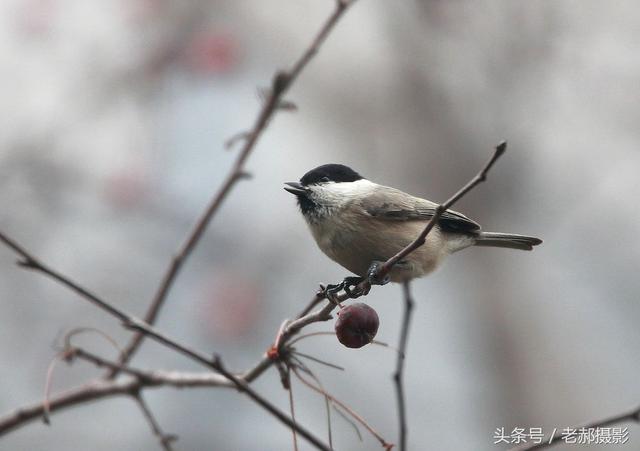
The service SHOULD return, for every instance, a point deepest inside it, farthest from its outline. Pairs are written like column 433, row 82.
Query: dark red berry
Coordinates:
column 357, row 325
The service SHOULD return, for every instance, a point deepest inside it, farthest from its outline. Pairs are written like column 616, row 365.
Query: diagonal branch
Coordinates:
column 363, row 287
column 98, row 389
column 141, row 326
column 30, row 262
column 165, row 440
column 281, row 83
column 440, row 209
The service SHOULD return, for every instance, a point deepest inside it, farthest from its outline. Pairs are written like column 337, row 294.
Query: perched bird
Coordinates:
column 359, row 224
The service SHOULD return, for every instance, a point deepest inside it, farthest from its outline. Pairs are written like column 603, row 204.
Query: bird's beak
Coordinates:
column 295, row 188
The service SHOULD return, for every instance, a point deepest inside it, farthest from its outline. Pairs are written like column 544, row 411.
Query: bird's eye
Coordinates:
column 325, row 179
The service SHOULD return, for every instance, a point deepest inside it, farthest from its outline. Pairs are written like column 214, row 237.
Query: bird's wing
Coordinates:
column 391, row 204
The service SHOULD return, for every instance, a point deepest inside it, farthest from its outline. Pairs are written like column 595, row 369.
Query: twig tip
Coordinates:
column 501, row 147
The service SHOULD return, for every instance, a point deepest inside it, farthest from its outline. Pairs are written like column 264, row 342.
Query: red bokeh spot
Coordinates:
column 212, row 53
column 231, row 307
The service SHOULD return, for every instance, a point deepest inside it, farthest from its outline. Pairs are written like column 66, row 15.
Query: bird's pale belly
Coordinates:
column 356, row 250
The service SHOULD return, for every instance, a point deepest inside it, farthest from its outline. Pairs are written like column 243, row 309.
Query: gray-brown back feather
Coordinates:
column 391, row 204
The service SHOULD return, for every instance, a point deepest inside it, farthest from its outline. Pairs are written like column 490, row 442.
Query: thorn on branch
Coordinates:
column 243, row 175
column 280, row 82
column 130, row 325
column 27, row 262
column 235, row 139
column 287, row 105
column 217, row 361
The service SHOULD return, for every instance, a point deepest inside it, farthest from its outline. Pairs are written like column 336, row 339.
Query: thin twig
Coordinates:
column 100, row 362
column 333, row 334
column 364, row 286
column 317, row 360
column 399, row 373
column 327, row 402
column 83, row 330
column 128, row 320
column 137, row 324
column 165, row 440
column 100, row 388
column 348, row 420
column 319, row 297
column 354, row 415
column 68, row 353
column 292, row 410
column 244, row 387
column 440, row 209
column 30, row 262
column 46, row 417
column 83, row 394
column 281, row 83
column 91, row 391
column 548, row 442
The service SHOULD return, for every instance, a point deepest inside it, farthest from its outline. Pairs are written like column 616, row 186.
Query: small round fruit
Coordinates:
column 357, row 325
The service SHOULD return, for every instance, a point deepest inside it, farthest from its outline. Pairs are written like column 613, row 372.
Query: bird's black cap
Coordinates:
column 330, row 173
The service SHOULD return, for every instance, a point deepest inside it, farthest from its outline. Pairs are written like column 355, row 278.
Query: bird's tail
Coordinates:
column 509, row 240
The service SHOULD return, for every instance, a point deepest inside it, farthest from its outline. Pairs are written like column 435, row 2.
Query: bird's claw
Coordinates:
column 354, row 282
column 331, row 292
column 350, row 285
column 356, row 286
column 372, row 274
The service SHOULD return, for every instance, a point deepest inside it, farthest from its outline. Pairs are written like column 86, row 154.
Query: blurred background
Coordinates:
column 111, row 143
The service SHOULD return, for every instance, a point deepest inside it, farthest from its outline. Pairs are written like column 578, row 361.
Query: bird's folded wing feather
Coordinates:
column 391, row 204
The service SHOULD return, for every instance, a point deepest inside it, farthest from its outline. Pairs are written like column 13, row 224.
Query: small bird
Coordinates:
column 359, row 224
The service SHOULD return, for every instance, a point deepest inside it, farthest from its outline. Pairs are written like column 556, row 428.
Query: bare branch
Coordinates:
column 135, row 323
column 91, row 391
column 292, row 328
column 141, row 379
column 354, row 415
column 100, row 388
column 281, row 83
column 548, row 442
column 364, row 286
column 244, row 387
column 399, row 373
column 165, row 440
column 420, row 240
column 128, row 320
column 30, row 262
column 317, row 360
column 292, row 410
